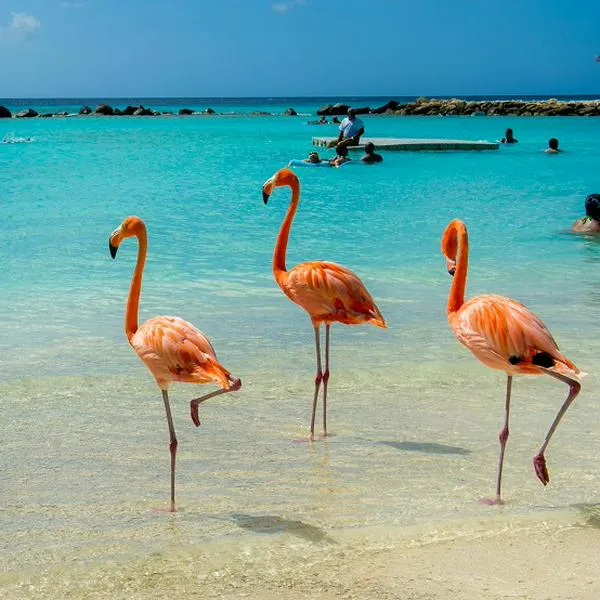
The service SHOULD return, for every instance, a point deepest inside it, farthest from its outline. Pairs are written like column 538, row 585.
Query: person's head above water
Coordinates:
column 313, row 157
column 553, row 144
column 509, row 133
column 369, row 148
column 592, row 206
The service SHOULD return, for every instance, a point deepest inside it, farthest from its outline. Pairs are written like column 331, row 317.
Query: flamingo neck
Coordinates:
column 456, row 297
column 284, row 233
column 133, row 302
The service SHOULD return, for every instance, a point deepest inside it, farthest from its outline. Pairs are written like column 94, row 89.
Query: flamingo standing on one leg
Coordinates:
column 329, row 293
column 504, row 335
column 173, row 349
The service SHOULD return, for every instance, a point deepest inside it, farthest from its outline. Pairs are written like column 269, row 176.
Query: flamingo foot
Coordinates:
column 539, row 464
column 497, row 501
column 194, row 414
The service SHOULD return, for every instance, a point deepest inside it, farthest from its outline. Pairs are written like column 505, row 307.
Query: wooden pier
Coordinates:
column 412, row 145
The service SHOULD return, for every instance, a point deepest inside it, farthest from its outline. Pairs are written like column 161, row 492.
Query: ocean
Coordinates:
column 413, row 417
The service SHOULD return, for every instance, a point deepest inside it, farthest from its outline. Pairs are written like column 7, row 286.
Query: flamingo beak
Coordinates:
column 114, row 237
column 268, row 188
column 451, row 266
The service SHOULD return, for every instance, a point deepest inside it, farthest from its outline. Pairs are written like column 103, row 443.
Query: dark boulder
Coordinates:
column 290, row 112
column 209, row 111
column 27, row 114
column 333, row 109
column 391, row 105
column 186, row 111
column 128, row 110
column 142, row 111
column 104, row 109
column 85, row 110
column 5, row 113
column 362, row 110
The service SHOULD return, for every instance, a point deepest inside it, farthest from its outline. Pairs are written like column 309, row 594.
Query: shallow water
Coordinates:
column 414, row 418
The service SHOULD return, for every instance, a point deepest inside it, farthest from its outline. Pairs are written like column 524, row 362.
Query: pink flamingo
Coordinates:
column 171, row 348
column 329, row 293
column 504, row 335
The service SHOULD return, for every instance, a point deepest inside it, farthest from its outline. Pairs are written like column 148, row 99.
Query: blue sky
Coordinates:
column 112, row 48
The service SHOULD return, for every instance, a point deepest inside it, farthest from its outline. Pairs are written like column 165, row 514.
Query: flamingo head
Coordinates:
column 283, row 177
column 130, row 227
column 450, row 244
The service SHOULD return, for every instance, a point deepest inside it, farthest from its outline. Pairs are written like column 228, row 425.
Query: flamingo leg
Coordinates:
column 235, row 385
column 172, row 446
column 326, row 378
column 539, row 461
column 503, row 437
column 318, row 379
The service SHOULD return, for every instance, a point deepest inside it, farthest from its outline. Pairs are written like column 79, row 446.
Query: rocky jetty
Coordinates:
column 516, row 108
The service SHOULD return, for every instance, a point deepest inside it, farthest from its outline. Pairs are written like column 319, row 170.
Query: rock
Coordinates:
column 363, row 110
column 333, row 109
column 128, row 110
column 141, row 111
column 104, row 109
column 290, row 112
column 27, row 114
column 85, row 110
column 186, row 111
column 209, row 111
column 391, row 105
column 5, row 113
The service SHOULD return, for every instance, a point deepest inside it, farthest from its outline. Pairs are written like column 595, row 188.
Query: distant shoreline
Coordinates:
column 304, row 107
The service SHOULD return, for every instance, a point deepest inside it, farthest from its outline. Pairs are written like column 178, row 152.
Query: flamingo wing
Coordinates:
column 175, row 350
column 331, row 293
column 504, row 334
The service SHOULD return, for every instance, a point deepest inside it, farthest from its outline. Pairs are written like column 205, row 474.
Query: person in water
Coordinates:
column 371, row 156
column 508, row 137
column 552, row 146
column 314, row 158
column 341, row 158
column 590, row 224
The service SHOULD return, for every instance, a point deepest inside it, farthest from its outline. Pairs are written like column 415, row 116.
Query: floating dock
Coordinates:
column 412, row 145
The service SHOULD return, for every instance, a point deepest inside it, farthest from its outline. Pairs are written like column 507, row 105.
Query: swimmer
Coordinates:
column 371, row 156
column 508, row 137
column 313, row 157
column 552, row 146
column 590, row 224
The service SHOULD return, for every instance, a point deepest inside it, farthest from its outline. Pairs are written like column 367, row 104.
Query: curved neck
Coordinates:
column 284, row 232
column 133, row 302
column 456, row 298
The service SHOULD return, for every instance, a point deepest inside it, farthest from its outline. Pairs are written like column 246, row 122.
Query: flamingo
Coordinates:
column 328, row 292
column 171, row 348
column 504, row 335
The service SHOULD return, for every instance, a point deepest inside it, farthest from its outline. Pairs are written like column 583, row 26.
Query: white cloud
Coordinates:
column 24, row 24
column 282, row 7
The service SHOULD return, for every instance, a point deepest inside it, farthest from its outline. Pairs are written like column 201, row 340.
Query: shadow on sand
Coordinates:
column 591, row 514
column 426, row 447
column 275, row 524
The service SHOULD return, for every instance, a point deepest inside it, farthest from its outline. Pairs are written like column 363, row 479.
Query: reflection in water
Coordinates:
column 427, row 447
column 275, row 524
column 591, row 513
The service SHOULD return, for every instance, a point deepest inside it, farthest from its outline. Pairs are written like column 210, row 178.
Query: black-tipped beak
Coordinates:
column 451, row 271
column 265, row 196
column 113, row 249
column 451, row 266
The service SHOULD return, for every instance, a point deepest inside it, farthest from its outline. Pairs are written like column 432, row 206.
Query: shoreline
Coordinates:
column 420, row 107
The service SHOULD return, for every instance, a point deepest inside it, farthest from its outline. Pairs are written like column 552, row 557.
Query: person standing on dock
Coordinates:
column 351, row 128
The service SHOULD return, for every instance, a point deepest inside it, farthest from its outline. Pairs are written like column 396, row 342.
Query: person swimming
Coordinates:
column 313, row 157
column 590, row 224
column 508, row 137
column 552, row 146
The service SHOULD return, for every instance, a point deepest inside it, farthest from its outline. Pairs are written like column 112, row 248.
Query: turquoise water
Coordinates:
column 414, row 418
